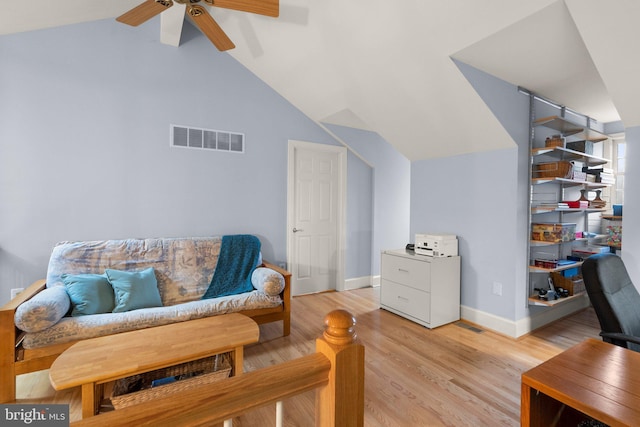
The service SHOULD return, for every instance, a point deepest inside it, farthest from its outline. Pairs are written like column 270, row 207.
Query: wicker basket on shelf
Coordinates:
column 555, row 141
column 561, row 169
column 138, row 388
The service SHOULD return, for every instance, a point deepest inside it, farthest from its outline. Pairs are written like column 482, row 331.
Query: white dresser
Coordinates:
column 420, row 288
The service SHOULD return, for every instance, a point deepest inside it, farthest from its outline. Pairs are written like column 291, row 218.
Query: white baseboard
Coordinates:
column 357, row 283
column 525, row 325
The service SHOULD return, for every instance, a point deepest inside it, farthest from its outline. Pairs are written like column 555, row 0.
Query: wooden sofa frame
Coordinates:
column 16, row 360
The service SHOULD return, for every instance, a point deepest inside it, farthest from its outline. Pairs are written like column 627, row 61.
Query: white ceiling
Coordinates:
column 386, row 65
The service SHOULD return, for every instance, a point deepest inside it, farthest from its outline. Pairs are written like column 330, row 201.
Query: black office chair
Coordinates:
column 615, row 299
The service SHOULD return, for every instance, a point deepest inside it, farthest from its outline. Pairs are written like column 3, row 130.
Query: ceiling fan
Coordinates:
column 150, row 8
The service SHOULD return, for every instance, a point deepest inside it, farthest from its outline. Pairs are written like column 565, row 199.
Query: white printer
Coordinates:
column 437, row 245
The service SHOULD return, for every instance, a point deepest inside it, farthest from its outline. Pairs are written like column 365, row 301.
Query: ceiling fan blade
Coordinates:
column 210, row 28
column 261, row 7
column 143, row 12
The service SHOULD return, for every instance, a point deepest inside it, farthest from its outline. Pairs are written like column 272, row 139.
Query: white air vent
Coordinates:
column 206, row 139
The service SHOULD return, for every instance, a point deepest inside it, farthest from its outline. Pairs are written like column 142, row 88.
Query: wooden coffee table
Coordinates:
column 593, row 378
column 93, row 362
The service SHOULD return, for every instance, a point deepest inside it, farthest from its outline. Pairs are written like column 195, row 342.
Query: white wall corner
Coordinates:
column 375, row 281
column 531, row 323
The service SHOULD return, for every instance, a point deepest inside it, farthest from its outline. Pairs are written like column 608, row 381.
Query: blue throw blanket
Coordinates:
column 238, row 257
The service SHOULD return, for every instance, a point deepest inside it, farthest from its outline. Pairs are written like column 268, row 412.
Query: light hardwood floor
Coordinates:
column 455, row 375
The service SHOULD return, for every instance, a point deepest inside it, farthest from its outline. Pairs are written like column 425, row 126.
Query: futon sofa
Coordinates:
column 97, row 288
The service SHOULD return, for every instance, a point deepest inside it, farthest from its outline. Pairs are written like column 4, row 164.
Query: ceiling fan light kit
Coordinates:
column 199, row 15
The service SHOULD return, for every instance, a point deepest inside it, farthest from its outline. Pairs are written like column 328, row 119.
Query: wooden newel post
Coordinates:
column 341, row 402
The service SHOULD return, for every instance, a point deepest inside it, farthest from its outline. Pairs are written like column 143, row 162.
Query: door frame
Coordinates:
column 341, row 202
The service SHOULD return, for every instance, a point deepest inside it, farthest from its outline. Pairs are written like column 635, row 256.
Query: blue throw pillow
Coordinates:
column 89, row 293
column 134, row 289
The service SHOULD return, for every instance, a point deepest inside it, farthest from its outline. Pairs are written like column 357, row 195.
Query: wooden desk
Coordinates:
column 593, row 378
column 92, row 363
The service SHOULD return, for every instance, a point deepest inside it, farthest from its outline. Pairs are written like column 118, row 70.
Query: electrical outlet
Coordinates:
column 16, row 291
column 497, row 288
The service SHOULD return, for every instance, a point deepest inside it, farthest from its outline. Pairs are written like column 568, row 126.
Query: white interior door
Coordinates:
column 315, row 222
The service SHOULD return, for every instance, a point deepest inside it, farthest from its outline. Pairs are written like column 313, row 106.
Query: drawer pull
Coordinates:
column 403, row 270
column 403, row 299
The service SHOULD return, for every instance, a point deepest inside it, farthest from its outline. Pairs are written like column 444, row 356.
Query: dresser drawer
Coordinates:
column 415, row 274
column 407, row 300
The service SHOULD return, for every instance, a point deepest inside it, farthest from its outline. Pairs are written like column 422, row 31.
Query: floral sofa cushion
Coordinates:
column 183, row 266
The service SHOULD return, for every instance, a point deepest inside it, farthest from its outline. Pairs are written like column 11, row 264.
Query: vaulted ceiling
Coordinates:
column 387, row 66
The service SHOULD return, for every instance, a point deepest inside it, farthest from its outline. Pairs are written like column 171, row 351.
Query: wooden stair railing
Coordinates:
column 336, row 371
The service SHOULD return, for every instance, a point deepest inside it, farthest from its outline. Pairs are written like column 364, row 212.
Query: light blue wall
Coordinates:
column 474, row 200
column 84, row 144
column 482, row 197
column 359, row 218
column 391, row 189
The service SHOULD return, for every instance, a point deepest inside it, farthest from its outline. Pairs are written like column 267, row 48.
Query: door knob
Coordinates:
column 295, row 230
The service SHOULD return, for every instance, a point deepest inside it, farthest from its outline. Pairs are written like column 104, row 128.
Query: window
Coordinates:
column 619, row 166
column 615, row 149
